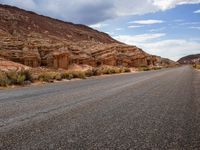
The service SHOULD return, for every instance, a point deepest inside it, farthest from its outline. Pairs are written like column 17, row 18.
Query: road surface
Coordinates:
column 148, row 110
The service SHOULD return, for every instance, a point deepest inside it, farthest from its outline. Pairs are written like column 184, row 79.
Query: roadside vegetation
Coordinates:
column 25, row 77
column 15, row 78
column 196, row 66
column 145, row 68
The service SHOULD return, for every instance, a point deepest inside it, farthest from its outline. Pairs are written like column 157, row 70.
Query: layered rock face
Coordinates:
column 190, row 59
column 35, row 40
column 7, row 66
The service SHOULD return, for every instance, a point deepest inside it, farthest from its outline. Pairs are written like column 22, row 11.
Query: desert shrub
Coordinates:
column 109, row 70
column 78, row 74
column 73, row 74
column 143, row 66
column 144, row 69
column 21, row 78
column 27, row 74
column 50, row 76
column 106, row 70
column 196, row 66
column 67, row 75
column 89, row 73
column 16, row 78
column 58, row 77
column 47, row 76
column 97, row 71
column 4, row 81
column 125, row 70
column 156, row 68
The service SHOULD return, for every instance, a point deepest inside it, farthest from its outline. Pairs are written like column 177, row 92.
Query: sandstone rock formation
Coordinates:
column 6, row 65
column 190, row 59
column 35, row 40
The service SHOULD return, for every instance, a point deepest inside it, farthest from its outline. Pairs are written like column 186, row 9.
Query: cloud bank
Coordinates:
column 145, row 22
column 152, row 43
column 95, row 11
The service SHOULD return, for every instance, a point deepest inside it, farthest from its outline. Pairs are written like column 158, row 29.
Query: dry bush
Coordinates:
column 15, row 78
column 196, row 66
column 47, row 76
column 4, row 81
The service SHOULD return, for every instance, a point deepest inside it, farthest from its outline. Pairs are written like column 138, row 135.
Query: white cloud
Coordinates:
column 171, row 48
column 111, row 33
column 197, row 11
column 158, row 29
column 189, row 23
column 95, row 11
column 178, row 20
column 134, row 26
column 98, row 25
column 131, row 40
column 167, row 4
column 119, row 29
column 198, row 28
column 146, row 22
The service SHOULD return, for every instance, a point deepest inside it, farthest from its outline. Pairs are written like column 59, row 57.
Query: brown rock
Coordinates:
column 6, row 65
column 190, row 59
column 58, row 60
column 35, row 40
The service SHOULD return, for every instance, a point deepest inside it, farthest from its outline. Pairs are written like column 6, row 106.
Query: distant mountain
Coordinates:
column 35, row 40
column 190, row 59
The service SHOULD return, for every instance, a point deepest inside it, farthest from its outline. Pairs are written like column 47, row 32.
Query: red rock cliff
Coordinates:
column 36, row 40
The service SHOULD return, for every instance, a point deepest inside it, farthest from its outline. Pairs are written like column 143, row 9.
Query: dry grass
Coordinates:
column 106, row 70
column 196, row 66
column 144, row 68
column 15, row 78
column 47, row 75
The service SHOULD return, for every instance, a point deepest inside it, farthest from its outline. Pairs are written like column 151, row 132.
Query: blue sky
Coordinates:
column 168, row 28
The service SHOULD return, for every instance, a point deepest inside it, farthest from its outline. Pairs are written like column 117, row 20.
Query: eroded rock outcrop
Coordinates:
column 7, row 66
column 35, row 40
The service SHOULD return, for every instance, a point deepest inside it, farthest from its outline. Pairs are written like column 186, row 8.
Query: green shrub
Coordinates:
column 73, row 74
column 144, row 69
column 196, row 66
column 78, row 74
column 106, row 70
column 125, row 70
column 156, row 68
column 89, row 73
column 58, row 77
column 21, row 78
column 16, row 78
column 97, row 71
column 67, row 75
column 4, row 81
column 27, row 74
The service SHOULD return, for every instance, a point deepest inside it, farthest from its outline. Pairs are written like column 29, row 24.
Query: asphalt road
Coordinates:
column 148, row 110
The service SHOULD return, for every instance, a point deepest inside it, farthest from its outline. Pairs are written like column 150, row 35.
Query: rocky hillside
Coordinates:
column 190, row 59
column 168, row 62
column 35, row 40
